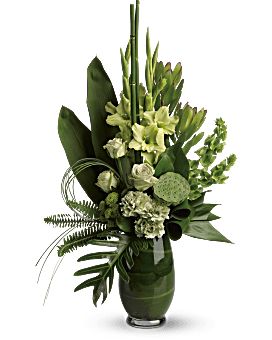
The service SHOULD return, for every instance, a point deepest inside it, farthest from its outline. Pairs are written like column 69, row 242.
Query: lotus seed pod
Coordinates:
column 172, row 188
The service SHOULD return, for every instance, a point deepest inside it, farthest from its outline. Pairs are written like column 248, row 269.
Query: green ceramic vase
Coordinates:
column 149, row 293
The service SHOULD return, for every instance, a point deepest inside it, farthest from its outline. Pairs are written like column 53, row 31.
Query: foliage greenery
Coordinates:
column 150, row 127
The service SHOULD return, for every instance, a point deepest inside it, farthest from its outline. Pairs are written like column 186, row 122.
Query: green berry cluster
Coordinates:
column 109, row 209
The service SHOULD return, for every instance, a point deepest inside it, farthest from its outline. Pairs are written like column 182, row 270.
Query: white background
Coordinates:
column 222, row 291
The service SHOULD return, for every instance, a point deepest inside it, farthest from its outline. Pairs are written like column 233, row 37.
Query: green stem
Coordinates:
column 121, row 172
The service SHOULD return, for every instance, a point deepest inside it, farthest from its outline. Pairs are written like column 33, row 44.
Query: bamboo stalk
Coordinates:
column 134, row 77
column 137, row 59
column 138, row 157
column 133, row 67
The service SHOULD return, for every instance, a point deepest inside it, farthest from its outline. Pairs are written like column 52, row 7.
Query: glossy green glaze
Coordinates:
column 150, row 290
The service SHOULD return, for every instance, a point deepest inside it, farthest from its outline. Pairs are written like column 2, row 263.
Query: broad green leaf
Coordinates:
column 174, row 231
column 164, row 165
column 203, row 209
column 98, row 255
column 99, row 92
column 212, row 217
column 125, row 224
column 91, row 270
column 173, row 160
column 88, row 283
column 176, row 228
column 181, row 164
column 199, row 200
column 182, row 211
column 76, row 140
column 121, row 270
column 204, row 230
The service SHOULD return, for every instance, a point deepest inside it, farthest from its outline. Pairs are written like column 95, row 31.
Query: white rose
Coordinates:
column 116, row 148
column 107, row 181
column 142, row 176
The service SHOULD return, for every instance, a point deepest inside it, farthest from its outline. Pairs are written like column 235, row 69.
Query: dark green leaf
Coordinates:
column 76, row 140
column 88, row 283
column 212, row 217
column 176, row 228
column 125, row 224
column 203, row 209
column 100, row 92
column 181, row 164
column 91, row 270
column 199, row 200
column 164, row 165
column 98, row 255
column 204, row 230
column 174, row 231
column 121, row 270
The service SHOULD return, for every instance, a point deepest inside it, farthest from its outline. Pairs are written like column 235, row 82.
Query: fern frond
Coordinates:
column 80, row 238
column 122, row 258
column 68, row 221
column 87, row 209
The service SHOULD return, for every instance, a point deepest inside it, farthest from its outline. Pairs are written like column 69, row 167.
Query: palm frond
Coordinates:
column 80, row 238
column 68, row 221
column 87, row 208
column 121, row 258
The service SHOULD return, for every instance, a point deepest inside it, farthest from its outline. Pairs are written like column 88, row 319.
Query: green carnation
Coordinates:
column 150, row 213
column 135, row 203
column 149, row 229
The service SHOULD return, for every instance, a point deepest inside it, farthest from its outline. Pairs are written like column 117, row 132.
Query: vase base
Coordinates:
column 142, row 323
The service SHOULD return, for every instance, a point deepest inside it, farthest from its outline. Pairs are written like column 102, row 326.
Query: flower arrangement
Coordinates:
column 135, row 166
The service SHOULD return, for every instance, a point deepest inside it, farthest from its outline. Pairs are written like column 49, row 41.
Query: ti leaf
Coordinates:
column 204, row 230
column 99, row 92
column 202, row 211
column 175, row 228
column 76, row 140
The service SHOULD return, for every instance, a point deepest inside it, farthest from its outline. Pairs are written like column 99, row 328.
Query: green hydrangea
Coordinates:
column 150, row 214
